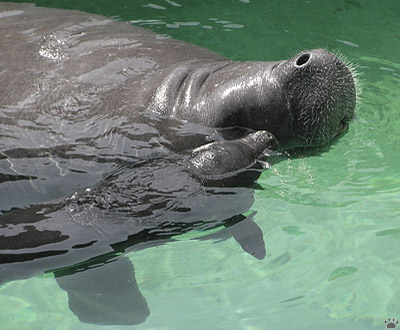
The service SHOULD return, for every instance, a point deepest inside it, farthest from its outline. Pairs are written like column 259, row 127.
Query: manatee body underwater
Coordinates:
column 116, row 139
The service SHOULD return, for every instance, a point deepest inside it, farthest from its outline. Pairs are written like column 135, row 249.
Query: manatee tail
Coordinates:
column 104, row 294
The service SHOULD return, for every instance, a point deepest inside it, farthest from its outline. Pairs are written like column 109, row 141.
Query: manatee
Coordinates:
column 115, row 139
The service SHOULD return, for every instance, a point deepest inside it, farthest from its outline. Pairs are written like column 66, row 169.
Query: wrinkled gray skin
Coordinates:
column 113, row 139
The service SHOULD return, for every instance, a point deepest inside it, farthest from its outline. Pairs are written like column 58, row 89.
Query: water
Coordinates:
column 330, row 221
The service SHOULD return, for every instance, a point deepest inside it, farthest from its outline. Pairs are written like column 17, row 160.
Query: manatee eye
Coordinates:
column 303, row 59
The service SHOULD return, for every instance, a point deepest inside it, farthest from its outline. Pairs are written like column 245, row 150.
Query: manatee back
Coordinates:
column 46, row 44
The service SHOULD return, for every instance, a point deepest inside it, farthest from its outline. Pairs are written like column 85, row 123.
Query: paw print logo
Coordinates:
column 391, row 324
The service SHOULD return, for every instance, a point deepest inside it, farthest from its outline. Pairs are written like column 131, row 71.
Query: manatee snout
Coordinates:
column 320, row 94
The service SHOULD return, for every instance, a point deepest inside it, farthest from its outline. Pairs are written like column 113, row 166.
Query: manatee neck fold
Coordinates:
column 178, row 86
column 214, row 93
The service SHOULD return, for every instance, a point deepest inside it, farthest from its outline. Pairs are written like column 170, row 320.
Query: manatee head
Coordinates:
column 305, row 101
column 320, row 94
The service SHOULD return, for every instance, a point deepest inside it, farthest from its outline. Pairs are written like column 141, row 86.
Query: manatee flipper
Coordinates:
column 232, row 162
column 245, row 231
column 225, row 161
column 249, row 236
column 106, row 294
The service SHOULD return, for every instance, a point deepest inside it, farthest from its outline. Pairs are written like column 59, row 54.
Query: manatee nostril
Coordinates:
column 303, row 59
column 342, row 125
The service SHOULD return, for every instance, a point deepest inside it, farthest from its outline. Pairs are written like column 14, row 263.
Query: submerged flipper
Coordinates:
column 105, row 294
column 246, row 232
column 250, row 237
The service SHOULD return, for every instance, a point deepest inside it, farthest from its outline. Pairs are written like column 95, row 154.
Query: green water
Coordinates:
column 331, row 222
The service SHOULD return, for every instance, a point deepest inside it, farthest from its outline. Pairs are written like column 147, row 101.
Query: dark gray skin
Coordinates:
column 114, row 139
